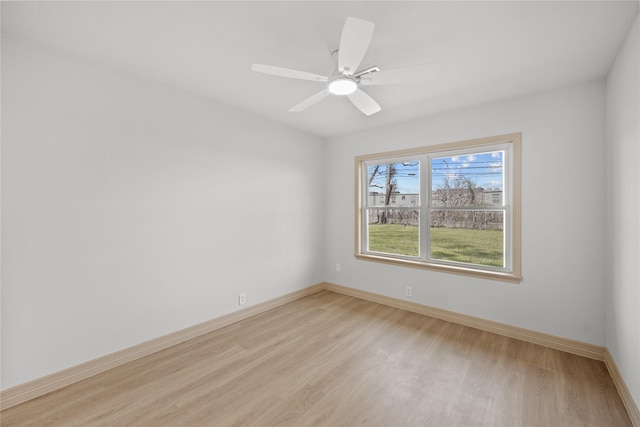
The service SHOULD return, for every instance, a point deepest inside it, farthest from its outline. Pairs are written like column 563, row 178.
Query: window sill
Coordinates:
column 465, row 271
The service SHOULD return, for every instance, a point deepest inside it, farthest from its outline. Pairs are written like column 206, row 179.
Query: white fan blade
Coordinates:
column 354, row 42
column 364, row 102
column 310, row 101
column 286, row 72
column 401, row 75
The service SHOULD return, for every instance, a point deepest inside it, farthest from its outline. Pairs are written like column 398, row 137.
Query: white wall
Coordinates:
column 563, row 137
column 131, row 210
column 623, row 215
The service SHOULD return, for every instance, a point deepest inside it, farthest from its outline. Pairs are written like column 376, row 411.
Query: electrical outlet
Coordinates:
column 408, row 291
column 338, row 268
column 242, row 298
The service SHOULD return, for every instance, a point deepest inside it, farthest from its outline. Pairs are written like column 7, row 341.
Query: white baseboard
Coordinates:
column 623, row 391
column 570, row 346
column 41, row 386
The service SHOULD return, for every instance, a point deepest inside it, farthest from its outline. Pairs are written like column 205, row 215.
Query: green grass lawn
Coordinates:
column 394, row 239
column 482, row 247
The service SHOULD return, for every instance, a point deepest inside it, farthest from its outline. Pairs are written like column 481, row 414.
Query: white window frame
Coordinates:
column 510, row 144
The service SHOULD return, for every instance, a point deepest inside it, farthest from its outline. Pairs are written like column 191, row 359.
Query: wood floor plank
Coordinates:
column 334, row 360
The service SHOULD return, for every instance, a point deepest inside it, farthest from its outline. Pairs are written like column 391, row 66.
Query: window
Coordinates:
column 464, row 210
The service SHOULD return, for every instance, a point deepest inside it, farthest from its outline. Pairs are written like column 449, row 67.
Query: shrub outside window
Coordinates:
column 451, row 207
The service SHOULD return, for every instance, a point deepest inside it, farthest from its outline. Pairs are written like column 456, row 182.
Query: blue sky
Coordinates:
column 485, row 169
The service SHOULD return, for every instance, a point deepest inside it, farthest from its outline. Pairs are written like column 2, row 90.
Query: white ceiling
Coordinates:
column 487, row 50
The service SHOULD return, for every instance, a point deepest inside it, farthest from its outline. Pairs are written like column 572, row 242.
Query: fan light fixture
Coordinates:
column 343, row 86
column 347, row 76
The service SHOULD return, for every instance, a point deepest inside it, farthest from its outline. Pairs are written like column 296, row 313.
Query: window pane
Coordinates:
column 473, row 237
column 394, row 184
column 470, row 180
column 394, row 231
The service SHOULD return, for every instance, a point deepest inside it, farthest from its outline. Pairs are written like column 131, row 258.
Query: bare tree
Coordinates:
column 389, row 187
column 456, row 190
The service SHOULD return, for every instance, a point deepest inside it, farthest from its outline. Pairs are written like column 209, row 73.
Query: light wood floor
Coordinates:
column 334, row 360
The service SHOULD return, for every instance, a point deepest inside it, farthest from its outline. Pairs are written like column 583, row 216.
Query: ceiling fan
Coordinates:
column 347, row 78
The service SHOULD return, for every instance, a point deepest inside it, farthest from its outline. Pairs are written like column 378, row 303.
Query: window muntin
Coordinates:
column 455, row 208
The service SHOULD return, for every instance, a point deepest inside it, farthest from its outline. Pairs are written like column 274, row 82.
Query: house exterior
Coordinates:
column 483, row 197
